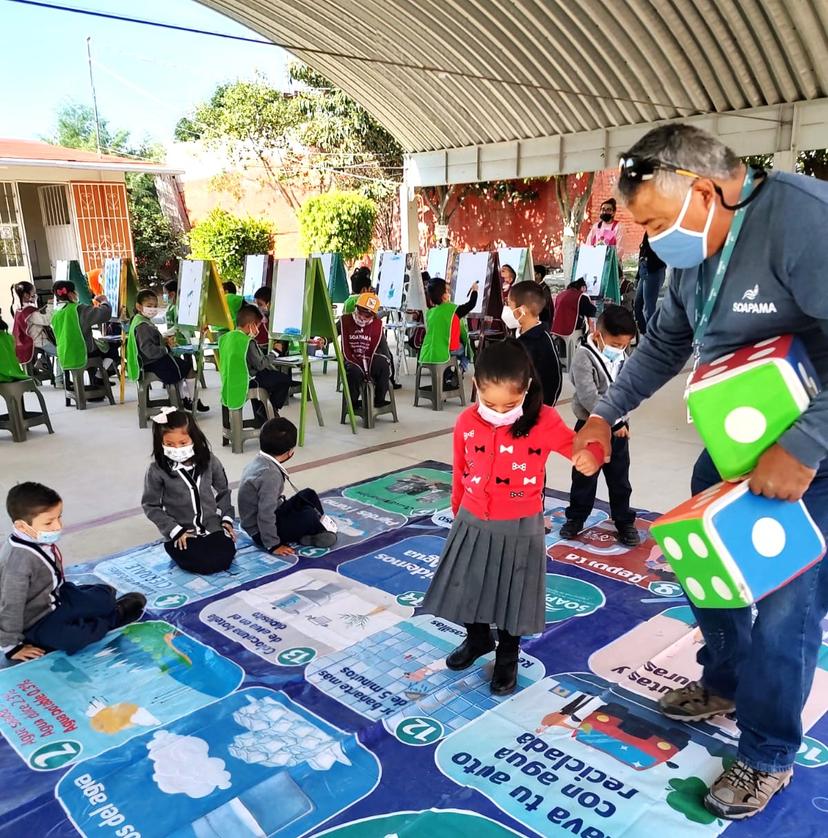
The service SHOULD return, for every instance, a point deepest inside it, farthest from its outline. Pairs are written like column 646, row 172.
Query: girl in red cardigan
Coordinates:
column 493, row 567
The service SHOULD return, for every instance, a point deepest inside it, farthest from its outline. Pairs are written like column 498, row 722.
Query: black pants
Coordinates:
column 508, row 645
column 277, row 386
column 380, row 375
column 85, row 614
column 170, row 370
column 113, row 352
column 297, row 517
column 616, row 473
column 211, row 553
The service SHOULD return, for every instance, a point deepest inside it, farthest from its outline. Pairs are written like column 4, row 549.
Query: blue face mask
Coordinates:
column 679, row 247
column 612, row 353
column 49, row 536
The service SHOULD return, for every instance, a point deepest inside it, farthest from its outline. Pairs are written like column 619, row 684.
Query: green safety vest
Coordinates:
column 71, row 347
column 183, row 334
column 435, row 348
column 10, row 369
column 350, row 304
column 234, row 303
column 133, row 356
column 235, row 377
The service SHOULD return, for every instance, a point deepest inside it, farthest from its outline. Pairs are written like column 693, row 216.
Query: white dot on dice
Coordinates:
column 745, row 424
column 768, row 537
column 697, row 545
column 694, row 588
column 672, row 547
column 762, row 353
column 721, row 588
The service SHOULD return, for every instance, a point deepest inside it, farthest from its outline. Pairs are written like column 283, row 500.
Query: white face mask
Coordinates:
column 501, row 420
column 179, row 455
column 510, row 320
column 149, row 311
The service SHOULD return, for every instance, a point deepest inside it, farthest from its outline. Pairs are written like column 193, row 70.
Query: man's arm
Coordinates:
column 660, row 356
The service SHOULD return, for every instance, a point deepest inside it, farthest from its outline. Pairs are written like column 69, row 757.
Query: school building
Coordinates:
column 61, row 203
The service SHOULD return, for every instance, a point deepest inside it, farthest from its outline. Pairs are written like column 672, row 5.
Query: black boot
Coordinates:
column 504, row 675
column 478, row 642
column 129, row 608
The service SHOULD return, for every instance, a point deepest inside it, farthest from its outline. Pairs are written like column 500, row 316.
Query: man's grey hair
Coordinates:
column 685, row 147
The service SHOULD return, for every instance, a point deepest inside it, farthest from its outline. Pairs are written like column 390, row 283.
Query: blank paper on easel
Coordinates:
column 288, row 301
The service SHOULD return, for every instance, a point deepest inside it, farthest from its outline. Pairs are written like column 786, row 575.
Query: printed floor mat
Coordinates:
column 308, row 695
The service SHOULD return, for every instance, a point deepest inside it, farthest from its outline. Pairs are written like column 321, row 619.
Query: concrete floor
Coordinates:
column 96, row 459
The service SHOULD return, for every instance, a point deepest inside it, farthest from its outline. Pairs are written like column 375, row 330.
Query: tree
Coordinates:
column 572, row 193
column 337, row 222
column 813, row 163
column 227, row 239
column 76, row 129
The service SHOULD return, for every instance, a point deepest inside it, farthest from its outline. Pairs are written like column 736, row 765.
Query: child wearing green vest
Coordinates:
column 446, row 335
column 147, row 350
column 243, row 365
column 234, row 300
column 10, row 369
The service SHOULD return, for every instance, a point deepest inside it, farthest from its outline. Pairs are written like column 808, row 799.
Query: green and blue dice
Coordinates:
column 743, row 402
column 729, row 547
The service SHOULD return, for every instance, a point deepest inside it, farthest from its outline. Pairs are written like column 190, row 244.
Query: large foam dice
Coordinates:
column 729, row 547
column 743, row 402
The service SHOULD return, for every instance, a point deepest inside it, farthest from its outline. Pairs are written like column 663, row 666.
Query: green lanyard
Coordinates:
column 704, row 308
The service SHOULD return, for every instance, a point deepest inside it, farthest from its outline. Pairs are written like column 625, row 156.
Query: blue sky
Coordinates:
column 163, row 74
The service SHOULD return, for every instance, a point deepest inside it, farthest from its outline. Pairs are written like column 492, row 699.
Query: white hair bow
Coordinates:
column 161, row 417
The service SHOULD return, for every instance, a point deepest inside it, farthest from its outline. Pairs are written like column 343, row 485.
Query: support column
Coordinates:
column 409, row 220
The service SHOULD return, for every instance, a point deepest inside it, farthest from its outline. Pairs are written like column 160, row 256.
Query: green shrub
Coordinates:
column 227, row 239
column 337, row 222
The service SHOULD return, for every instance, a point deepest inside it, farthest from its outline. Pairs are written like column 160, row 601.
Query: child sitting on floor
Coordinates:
column 39, row 610
column 148, row 351
column 186, row 495
column 595, row 365
column 272, row 521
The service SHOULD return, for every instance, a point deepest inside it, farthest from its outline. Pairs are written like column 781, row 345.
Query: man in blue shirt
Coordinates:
column 683, row 186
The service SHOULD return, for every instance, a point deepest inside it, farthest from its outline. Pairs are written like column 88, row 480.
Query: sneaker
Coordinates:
column 201, row 407
column 694, row 703
column 628, row 535
column 129, row 608
column 187, row 404
column 742, row 792
column 571, row 529
column 319, row 539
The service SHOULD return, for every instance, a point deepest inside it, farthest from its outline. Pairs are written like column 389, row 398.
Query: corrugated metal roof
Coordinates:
column 519, row 69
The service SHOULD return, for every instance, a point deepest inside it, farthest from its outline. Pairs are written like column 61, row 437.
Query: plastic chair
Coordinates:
column 147, row 406
column 41, row 367
column 241, row 430
column 437, row 393
column 80, row 392
column 368, row 411
column 17, row 419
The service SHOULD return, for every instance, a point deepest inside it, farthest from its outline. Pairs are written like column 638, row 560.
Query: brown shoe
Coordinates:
column 694, row 703
column 742, row 792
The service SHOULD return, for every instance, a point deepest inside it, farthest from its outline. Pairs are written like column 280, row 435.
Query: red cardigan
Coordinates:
column 498, row 477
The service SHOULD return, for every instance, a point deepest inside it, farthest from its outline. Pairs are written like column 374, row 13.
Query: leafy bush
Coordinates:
column 337, row 222
column 227, row 239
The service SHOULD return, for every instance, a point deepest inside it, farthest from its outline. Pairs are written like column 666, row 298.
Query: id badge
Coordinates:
column 328, row 523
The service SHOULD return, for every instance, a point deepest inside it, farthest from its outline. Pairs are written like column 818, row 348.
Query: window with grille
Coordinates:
column 103, row 223
column 11, row 242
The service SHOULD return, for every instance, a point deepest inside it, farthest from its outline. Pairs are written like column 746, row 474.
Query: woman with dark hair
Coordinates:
column 493, row 566
column 186, row 495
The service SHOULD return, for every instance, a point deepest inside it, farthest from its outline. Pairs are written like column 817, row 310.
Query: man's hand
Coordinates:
column 597, row 430
column 779, row 474
column 28, row 653
column 283, row 550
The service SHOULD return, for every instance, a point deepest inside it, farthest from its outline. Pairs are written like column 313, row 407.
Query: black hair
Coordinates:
column 277, row 437
column 264, row 293
column 361, row 280
column 507, row 362
column 611, row 202
column 145, row 294
column 425, row 276
column 539, row 269
column 4, row 327
column 62, row 289
column 617, row 321
column 171, row 286
column 176, row 420
column 25, row 501
column 528, row 293
column 248, row 314
column 436, row 290
column 22, row 289
column 511, row 270
column 229, row 287
column 577, row 283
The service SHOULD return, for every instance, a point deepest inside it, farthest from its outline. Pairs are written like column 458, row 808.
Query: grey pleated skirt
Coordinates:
column 492, row 572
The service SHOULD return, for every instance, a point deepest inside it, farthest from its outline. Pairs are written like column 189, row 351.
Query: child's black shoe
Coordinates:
column 468, row 652
column 571, row 529
column 129, row 608
column 504, row 674
column 628, row 535
column 319, row 539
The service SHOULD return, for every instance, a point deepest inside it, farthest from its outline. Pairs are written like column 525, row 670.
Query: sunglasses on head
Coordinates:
column 645, row 168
